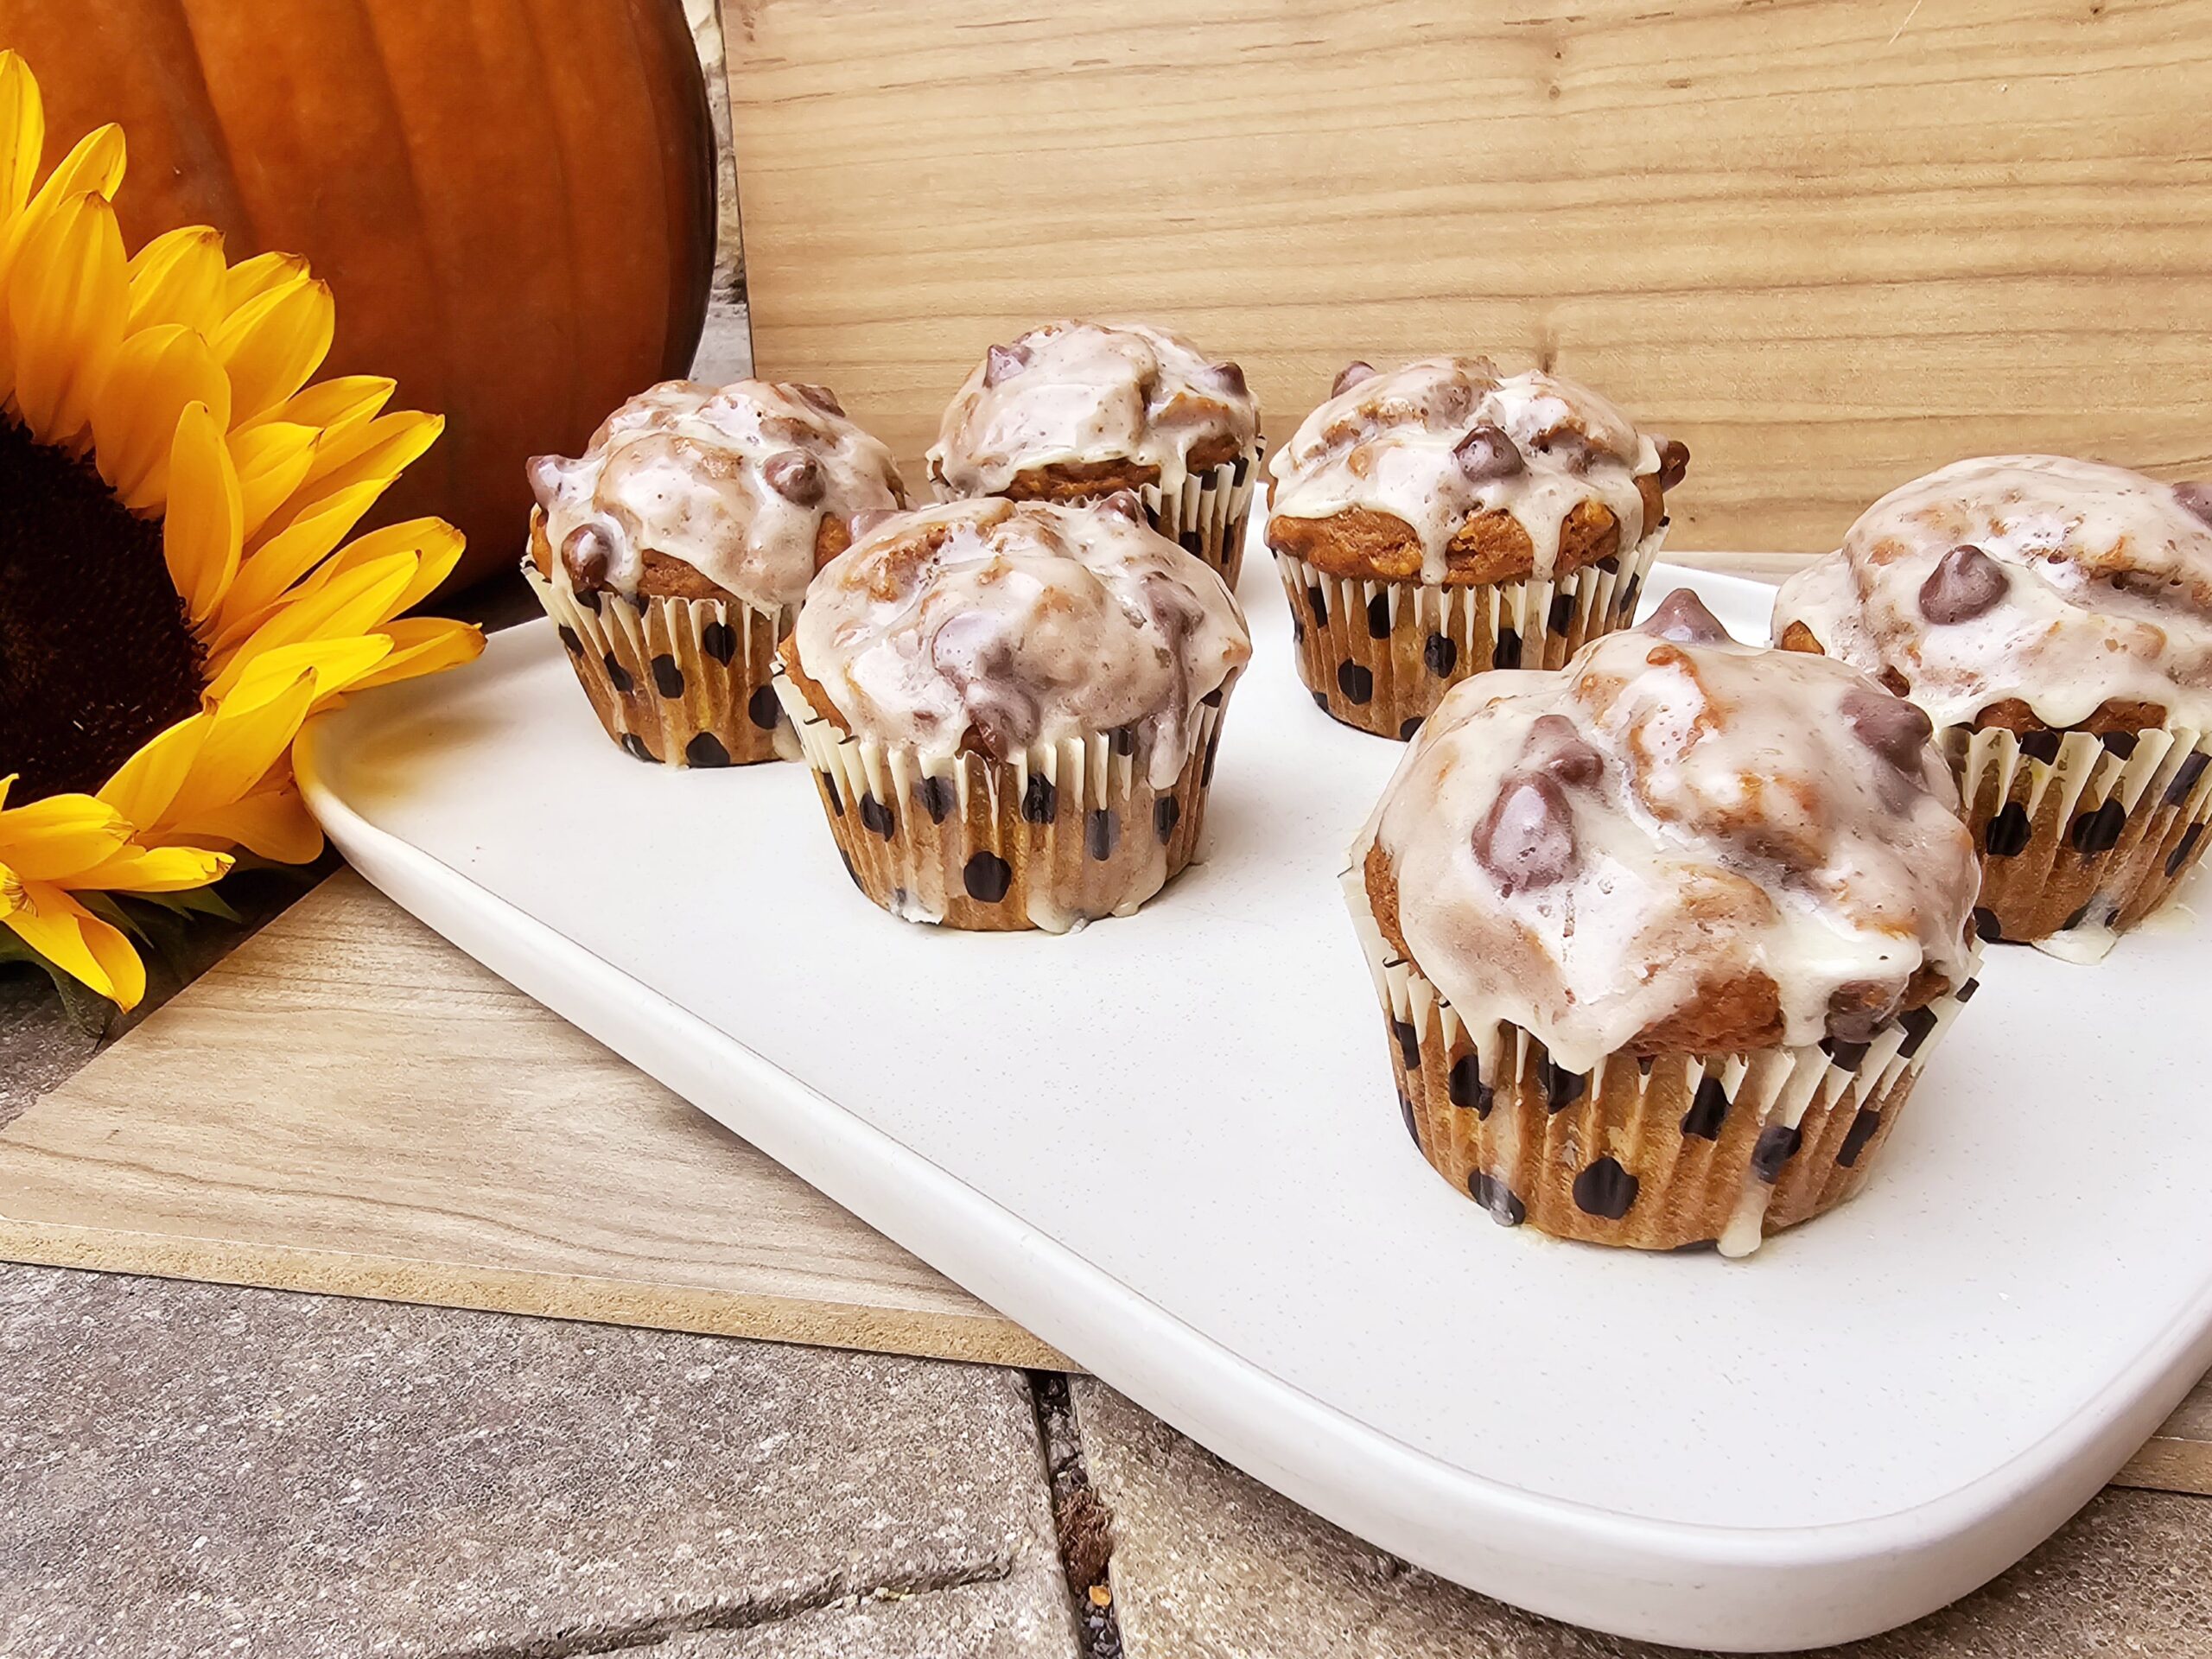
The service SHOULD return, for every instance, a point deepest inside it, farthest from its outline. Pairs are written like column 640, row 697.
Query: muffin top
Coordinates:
column 1073, row 405
column 994, row 627
column 2023, row 590
column 1446, row 471
column 1675, row 843
column 691, row 491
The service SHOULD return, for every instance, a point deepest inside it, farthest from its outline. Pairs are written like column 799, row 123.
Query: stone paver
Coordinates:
column 194, row 1470
column 1007, row 1620
column 1209, row 1565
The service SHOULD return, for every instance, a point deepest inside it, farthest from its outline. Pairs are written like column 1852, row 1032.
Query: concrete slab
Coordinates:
column 1208, row 1564
column 194, row 1470
column 1019, row 1617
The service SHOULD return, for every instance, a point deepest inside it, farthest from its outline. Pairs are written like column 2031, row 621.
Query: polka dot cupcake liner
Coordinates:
column 684, row 682
column 2081, row 837
column 1057, row 835
column 1678, row 1151
column 1380, row 655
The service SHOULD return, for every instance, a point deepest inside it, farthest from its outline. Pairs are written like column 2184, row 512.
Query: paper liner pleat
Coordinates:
column 1380, row 655
column 1680, row 1151
column 2079, row 846
column 685, row 681
column 1058, row 834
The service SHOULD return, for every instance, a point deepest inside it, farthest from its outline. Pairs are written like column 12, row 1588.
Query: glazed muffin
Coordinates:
column 1442, row 519
column 1011, row 708
column 1075, row 411
column 1664, row 936
column 673, row 555
column 2054, row 618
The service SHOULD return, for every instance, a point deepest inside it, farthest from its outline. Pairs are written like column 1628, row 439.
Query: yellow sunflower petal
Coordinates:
column 205, row 524
column 155, row 374
column 383, row 448
column 248, row 735
column 337, row 406
column 22, row 134
column 289, row 555
column 249, row 278
column 273, row 342
column 274, row 823
column 339, row 665
column 55, row 838
column 273, row 458
column 178, row 277
column 95, row 163
column 144, row 786
column 436, row 545
column 66, row 300
column 154, row 869
column 424, row 644
column 78, row 942
column 11, row 890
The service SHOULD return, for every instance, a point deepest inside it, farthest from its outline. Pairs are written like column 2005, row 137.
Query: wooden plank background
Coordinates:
column 1829, row 243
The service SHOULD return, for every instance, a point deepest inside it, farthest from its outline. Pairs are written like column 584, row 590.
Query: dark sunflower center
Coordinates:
column 96, row 651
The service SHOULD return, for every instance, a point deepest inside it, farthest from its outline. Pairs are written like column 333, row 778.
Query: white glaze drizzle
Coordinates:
column 1089, row 393
column 1739, row 826
column 1387, row 444
column 679, row 470
column 2063, row 638
column 1025, row 624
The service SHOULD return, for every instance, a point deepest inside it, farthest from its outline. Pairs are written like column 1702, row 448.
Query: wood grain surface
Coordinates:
column 348, row 1103
column 1829, row 242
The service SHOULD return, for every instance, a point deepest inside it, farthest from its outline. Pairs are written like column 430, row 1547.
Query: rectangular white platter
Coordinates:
column 1171, row 1146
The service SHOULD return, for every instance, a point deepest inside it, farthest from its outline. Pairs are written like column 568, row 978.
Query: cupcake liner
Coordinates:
column 2080, row 837
column 681, row 681
column 1380, row 655
column 1058, row 834
column 1678, row 1152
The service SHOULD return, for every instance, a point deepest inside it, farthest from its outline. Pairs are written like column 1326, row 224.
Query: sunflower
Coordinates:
column 177, row 593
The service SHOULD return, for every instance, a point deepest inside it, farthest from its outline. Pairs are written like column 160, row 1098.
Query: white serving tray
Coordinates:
column 1170, row 1144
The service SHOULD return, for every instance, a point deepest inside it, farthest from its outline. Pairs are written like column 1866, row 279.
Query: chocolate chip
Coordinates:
column 1605, row 1190
column 1674, row 460
column 705, row 750
column 1506, row 653
column 1379, row 616
column 1350, row 376
column 1985, row 930
column 821, row 397
column 1166, row 813
column 719, row 641
column 867, row 518
column 1408, row 1044
column 1315, row 598
column 569, row 642
column 938, row 797
column 878, row 817
column 1919, row 1026
column 668, row 678
column 1409, row 729
column 2185, row 779
column 762, row 708
column 795, row 475
column 1526, row 841
column 2008, row 833
column 1497, row 1198
column 2099, row 831
column 1102, row 832
column 1894, row 730
column 1487, row 453
column 986, row 877
column 634, row 746
column 1562, row 1088
column 1708, row 1111
column 1965, row 583
column 2178, row 859
column 2041, row 744
column 2194, row 499
column 1559, row 750
column 1682, row 618
column 1123, row 504
column 587, row 555
column 1465, row 1086
column 1230, row 379
column 617, row 676
column 1002, row 363
column 1441, row 654
column 1356, row 681
column 1560, row 617
column 1777, row 1145
column 1863, row 1128
column 544, row 473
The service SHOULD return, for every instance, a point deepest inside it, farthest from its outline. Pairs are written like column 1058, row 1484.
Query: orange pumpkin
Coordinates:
column 514, row 200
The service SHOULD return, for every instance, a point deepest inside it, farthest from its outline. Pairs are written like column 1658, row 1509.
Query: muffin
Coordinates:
column 1439, row 520
column 1011, row 708
column 1075, row 411
column 1664, row 936
column 2054, row 618
column 674, row 552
